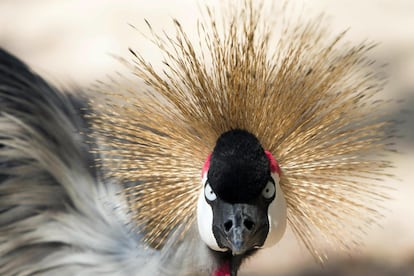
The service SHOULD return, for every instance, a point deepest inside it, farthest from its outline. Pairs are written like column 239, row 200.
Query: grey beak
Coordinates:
column 240, row 227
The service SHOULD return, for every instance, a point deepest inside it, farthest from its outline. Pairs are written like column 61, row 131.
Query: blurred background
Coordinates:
column 70, row 42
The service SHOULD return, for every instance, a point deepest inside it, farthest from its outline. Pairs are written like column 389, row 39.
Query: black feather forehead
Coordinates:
column 239, row 168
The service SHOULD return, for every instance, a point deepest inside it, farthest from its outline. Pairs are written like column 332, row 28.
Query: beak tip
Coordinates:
column 237, row 244
column 237, row 248
column 237, row 253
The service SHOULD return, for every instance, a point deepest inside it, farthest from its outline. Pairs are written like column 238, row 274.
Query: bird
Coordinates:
column 196, row 164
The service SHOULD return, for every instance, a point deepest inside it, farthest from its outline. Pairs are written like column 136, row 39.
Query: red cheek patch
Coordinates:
column 206, row 166
column 274, row 166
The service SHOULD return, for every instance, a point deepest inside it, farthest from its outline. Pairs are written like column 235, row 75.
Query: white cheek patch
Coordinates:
column 205, row 220
column 277, row 215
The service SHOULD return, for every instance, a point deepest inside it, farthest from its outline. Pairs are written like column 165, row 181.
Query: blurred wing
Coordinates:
column 55, row 213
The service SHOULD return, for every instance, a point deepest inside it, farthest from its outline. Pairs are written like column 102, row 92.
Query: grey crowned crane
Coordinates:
column 231, row 138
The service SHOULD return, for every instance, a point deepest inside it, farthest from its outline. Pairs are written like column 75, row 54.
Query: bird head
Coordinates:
column 241, row 206
column 235, row 92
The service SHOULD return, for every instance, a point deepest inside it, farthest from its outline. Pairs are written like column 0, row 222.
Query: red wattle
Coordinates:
column 223, row 270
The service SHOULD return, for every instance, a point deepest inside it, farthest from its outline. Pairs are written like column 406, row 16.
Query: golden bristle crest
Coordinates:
column 310, row 98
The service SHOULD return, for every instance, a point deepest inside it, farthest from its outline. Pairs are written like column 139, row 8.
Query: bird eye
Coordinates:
column 269, row 191
column 209, row 193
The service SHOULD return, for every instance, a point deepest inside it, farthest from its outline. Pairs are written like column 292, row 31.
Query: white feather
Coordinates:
column 205, row 219
column 277, row 215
